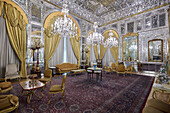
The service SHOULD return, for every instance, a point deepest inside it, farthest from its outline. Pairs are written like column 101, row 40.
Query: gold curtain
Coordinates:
column 114, row 51
column 96, row 51
column 76, row 48
column 88, row 54
column 1, row 7
column 51, row 44
column 102, row 51
column 102, row 48
column 16, row 28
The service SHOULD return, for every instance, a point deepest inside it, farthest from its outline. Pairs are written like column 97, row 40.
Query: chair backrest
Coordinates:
column 63, row 82
column 12, row 68
column 121, row 68
column 48, row 73
column 130, row 67
column 113, row 65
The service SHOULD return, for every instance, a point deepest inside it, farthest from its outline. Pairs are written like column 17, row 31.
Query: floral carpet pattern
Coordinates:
column 114, row 94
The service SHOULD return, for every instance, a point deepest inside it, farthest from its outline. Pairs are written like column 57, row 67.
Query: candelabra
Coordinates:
column 36, row 45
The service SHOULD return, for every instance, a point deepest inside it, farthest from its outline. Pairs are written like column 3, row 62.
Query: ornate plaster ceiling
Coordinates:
column 104, row 11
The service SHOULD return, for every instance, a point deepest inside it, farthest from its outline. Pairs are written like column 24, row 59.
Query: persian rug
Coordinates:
column 114, row 94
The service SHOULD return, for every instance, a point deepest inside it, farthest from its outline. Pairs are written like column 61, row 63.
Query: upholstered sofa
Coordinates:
column 65, row 67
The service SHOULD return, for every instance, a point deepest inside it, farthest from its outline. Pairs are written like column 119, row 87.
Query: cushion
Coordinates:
column 5, row 85
column 121, row 68
column 48, row 73
column 149, row 109
column 55, row 88
column 159, row 105
column 44, row 79
column 12, row 69
column 5, row 103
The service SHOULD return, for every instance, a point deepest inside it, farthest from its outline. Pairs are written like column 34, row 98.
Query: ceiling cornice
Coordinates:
column 134, row 15
column 69, row 12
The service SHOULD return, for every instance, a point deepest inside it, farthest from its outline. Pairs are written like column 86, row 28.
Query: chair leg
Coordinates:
column 16, row 110
column 124, row 74
column 117, row 74
column 49, row 98
column 62, row 95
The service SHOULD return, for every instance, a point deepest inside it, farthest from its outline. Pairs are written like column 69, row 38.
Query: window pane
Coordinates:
column 154, row 21
column 162, row 20
column 122, row 28
column 130, row 27
column 147, row 23
column 139, row 25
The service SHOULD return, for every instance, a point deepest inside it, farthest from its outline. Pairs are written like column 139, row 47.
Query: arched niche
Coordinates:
column 52, row 17
column 106, row 34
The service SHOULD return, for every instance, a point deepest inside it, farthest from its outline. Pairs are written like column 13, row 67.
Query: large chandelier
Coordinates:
column 64, row 25
column 95, row 37
column 111, row 41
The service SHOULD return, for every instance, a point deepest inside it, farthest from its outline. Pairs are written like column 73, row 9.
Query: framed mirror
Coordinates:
column 130, row 47
column 155, row 50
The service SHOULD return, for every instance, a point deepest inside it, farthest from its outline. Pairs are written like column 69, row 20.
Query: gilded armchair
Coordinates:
column 58, row 89
column 12, row 71
column 5, row 86
column 113, row 67
column 129, row 69
column 47, row 77
column 8, row 103
column 121, row 69
column 107, row 69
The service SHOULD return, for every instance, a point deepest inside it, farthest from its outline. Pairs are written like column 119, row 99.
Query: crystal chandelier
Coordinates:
column 64, row 25
column 95, row 37
column 111, row 41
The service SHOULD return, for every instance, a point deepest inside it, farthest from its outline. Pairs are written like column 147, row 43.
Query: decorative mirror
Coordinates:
column 130, row 47
column 155, row 50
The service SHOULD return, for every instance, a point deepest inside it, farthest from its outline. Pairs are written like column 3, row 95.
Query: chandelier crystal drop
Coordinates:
column 111, row 41
column 64, row 25
column 95, row 37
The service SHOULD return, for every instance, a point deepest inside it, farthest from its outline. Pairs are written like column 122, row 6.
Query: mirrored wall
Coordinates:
column 130, row 47
column 155, row 50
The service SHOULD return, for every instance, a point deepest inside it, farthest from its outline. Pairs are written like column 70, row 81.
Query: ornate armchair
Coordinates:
column 58, row 89
column 47, row 76
column 129, row 69
column 121, row 69
column 5, row 86
column 12, row 71
column 107, row 69
column 8, row 103
column 113, row 67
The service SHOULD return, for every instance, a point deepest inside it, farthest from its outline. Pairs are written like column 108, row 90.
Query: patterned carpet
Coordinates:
column 111, row 95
